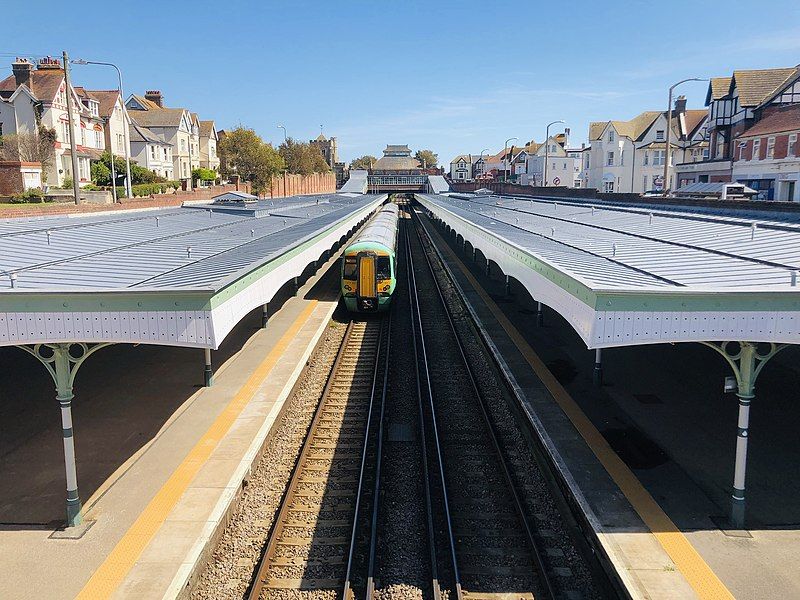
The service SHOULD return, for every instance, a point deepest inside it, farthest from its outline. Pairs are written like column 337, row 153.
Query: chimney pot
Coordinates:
column 22, row 68
column 155, row 96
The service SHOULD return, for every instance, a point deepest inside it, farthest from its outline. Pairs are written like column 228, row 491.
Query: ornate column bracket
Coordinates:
column 746, row 364
column 63, row 363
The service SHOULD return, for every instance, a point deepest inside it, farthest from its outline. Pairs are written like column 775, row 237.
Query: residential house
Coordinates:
column 462, row 167
column 767, row 156
column 115, row 120
column 629, row 156
column 581, row 165
column 208, row 146
column 176, row 126
column 560, row 166
column 38, row 96
column 150, row 151
column 735, row 104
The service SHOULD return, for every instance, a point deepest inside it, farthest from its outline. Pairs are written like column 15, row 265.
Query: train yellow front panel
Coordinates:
column 366, row 277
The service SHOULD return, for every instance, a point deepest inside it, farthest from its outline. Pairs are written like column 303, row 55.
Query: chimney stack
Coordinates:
column 155, row 96
column 680, row 105
column 22, row 68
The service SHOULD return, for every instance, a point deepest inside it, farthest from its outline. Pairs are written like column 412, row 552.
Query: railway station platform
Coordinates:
column 162, row 459
column 649, row 453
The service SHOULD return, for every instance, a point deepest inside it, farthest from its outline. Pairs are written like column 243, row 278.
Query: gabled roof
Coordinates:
column 778, row 90
column 44, row 83
column 596, row 129
column 321, row 138
column 717, row 88
column 633, row 129
column 145, row 103
column 695, row 118
column 756, row 85
column 779, row 120
column 207, row 129
column 465, row 157
column 107, row 100
column 139, row 133
column 163, row 117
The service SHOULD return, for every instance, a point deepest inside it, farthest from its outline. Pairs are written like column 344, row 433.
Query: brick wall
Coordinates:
column 293, row 185
column 11, row 179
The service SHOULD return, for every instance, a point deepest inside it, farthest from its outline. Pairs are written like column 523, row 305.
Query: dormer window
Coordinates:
column 659, row 134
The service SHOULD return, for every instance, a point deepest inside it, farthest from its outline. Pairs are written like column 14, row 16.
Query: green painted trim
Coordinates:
column 698, row 301
column 105, row 301
column 666, row 300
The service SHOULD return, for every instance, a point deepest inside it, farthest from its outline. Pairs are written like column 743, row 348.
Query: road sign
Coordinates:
column 556, row 180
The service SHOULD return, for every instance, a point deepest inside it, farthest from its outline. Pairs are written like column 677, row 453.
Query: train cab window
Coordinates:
column 350, row 267
column 383, row 268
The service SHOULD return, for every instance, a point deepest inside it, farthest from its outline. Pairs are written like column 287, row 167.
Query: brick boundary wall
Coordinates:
column 514, row 189
column 290, row 185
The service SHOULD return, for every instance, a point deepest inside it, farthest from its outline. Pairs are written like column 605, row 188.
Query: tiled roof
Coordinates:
column 754, row 86
column 206, row 128
column 779, row 120
column 596, row 129
column 139, row 133
column 162, row 117
column 719, row 87
column 145, row 103
column 694, row 119
column 396, row 163
column 107, row 99
column 44, row 84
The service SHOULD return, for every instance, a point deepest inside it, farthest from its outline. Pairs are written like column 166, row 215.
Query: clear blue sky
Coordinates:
column 451, row 76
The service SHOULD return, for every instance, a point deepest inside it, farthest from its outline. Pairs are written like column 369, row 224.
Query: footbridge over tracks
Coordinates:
column 179, row 277
column 625, row 276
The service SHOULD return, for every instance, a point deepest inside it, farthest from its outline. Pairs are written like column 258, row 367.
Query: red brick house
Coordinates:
column 767, row 155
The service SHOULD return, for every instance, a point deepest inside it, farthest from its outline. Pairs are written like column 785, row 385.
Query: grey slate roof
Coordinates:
column 148, row 250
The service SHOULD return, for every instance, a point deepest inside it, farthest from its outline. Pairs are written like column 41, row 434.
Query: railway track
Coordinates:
column 311, row 547
column 491, row 551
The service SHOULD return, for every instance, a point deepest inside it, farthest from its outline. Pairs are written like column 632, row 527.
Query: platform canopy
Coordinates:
column 178, row 276
column 624, row 276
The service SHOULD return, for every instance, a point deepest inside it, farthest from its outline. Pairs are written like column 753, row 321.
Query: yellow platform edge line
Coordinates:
column 107, row 578
column 700, row 576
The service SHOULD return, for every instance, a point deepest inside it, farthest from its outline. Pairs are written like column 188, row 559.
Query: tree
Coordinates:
column 243, row 152
column 363, row 162
column 204, row 174
column 428, row 159
column 302, row 158
column 29, row 146
column 101, row 172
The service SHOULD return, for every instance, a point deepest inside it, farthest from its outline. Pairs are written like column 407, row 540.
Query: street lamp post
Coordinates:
column 547, row 151
column 669, row 132
column 285, row 137
column 505, row 158
column 483, row 165
column 81, row 61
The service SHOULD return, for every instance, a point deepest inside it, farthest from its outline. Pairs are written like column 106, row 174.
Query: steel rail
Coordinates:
column 259, row 582
column 491, row 429
column 347, row 592
column 417, row 322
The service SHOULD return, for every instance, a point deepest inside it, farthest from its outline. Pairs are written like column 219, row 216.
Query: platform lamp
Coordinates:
column 285, row 137
column 547, row 150
column 668, row 151
column 505, row 158
column 81, row 61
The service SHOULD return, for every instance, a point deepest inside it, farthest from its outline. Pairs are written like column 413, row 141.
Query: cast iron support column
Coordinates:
column 746, row 365
column 208, row 374
column 488, row 269
column 597, row 374
column 539, row 315
column 63, row 367
column 264, row 315
column 296, row 286
column 508, row 286
column 474, row 255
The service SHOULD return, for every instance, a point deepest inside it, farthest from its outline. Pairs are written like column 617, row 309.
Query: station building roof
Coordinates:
column 624, row 276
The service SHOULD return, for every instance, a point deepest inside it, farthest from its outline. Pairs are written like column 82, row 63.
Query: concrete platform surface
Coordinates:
column 148, row 521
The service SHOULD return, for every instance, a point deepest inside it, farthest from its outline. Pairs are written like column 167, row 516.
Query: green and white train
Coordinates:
column 368, row 264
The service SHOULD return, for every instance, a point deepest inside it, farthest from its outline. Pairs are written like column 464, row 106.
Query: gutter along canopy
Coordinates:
column 626, row 276
column 182, row 276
